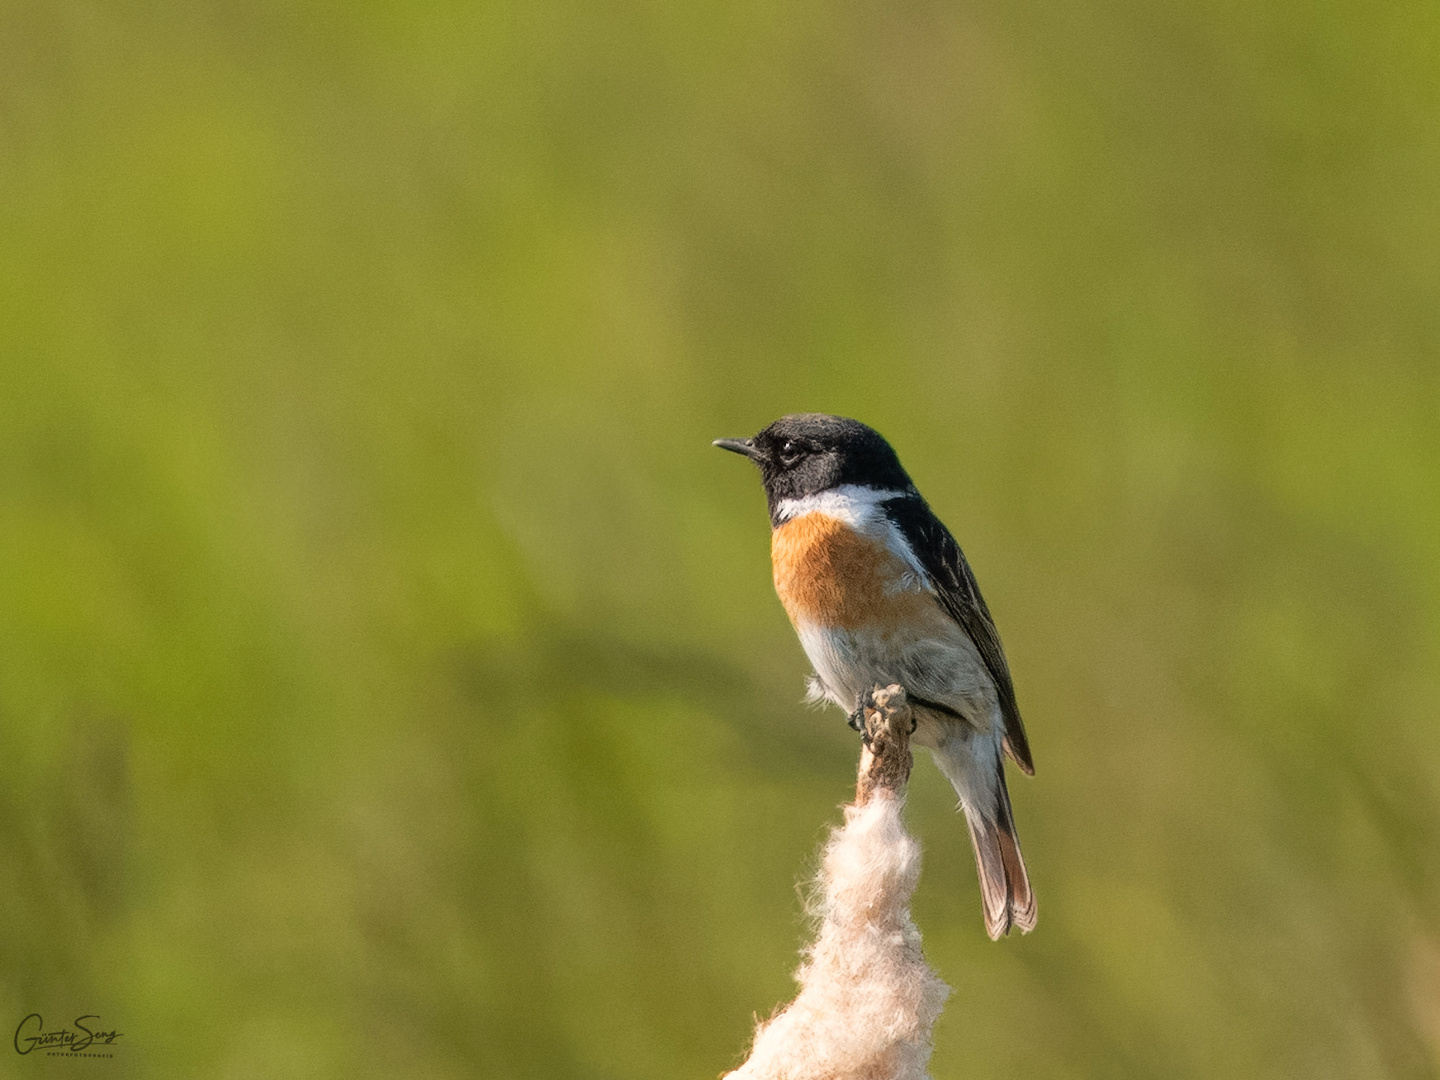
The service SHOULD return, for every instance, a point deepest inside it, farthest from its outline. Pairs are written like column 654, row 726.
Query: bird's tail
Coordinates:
column 1004, row 885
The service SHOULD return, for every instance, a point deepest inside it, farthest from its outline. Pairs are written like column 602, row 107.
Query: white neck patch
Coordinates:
column 854, row 504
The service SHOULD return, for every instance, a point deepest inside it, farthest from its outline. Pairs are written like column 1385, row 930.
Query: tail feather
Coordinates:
column 973, row 764
column 1004, row 885
column 1022, row 900
column 990, row 864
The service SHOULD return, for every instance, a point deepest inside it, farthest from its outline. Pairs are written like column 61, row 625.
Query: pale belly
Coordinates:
column 943, row 668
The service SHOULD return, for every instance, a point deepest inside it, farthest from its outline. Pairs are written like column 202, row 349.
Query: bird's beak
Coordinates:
column 739, row 446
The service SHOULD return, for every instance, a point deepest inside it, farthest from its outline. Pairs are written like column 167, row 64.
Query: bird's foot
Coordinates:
column 857, row 719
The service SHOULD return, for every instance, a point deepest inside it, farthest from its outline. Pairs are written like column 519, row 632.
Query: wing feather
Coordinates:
column 959, row 595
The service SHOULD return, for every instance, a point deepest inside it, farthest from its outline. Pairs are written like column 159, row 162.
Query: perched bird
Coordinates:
column 880, row 593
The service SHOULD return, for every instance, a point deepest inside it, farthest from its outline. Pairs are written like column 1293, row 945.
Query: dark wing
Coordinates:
column 960, row 596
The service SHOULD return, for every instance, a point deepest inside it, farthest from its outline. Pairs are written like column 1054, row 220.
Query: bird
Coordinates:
column 879, row 592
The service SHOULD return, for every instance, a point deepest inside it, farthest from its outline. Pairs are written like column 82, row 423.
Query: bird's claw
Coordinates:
column 857, row 718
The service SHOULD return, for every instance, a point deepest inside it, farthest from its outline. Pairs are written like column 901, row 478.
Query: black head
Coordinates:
column 808, row 453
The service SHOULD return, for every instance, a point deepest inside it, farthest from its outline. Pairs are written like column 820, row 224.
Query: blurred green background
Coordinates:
column 391, row 682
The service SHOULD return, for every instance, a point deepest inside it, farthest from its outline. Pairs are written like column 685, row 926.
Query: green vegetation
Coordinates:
column 390, row 679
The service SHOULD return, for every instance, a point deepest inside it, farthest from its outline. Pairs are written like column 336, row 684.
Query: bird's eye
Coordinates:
column 789, row 452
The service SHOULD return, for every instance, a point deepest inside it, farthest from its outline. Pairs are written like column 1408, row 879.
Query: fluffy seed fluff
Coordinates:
column 868, row 1000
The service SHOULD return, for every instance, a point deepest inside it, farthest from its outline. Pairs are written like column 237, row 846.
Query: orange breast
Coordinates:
column 827, row 573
